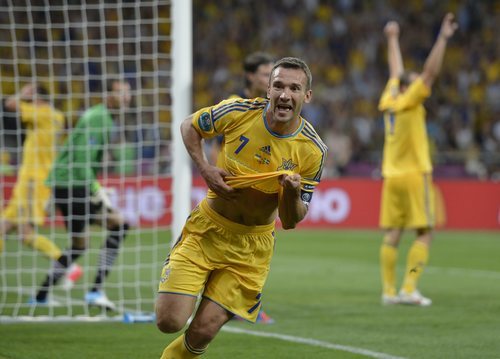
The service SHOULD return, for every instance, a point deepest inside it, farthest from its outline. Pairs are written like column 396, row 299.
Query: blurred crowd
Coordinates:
column 343, row 42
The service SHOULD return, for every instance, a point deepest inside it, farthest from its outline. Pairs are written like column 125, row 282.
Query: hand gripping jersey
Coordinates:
column 252, row 149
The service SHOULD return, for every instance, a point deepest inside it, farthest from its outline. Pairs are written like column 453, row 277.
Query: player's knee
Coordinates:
column 169, row 324
column 203, row 333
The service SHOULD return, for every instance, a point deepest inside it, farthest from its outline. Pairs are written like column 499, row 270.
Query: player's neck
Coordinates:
column 282, row 128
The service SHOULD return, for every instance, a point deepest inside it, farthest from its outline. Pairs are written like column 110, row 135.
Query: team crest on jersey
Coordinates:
column 286, row 165
column 205, row 122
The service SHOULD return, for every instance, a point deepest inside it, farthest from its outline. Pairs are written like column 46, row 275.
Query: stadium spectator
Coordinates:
column 407, row 193
column 26, row 209
column 80, row 197
column 227, row 243
column 341, row 40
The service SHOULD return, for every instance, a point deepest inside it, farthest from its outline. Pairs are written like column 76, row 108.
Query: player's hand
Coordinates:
column 448, row 27
column 27, row 92
column 290, row 183
column 214, row 178
column 391, row 29
column 102, row 198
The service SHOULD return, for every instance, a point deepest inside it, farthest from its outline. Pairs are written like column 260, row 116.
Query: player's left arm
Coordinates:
column 434, row 61
column 26, row 93
column 297, row 189
column 291, row 208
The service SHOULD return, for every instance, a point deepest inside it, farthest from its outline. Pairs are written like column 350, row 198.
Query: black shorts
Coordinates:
column 77, row 209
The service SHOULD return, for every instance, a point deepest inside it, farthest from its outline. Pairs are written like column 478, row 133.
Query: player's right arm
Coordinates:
column 213, row 176
column 26, row 93
column 391, row 31
column 396, row 68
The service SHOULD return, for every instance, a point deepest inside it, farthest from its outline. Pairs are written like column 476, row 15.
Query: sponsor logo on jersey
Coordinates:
column 205, row 122
column 262, row 157
column 266, row 149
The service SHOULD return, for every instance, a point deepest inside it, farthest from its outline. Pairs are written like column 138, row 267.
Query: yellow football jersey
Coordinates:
column 251, row 147
column 406, row 146
column 44, row 124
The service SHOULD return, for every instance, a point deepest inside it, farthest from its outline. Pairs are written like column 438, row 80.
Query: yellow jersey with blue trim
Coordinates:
column 406, row 144
column 44, row 125
column 251, row 147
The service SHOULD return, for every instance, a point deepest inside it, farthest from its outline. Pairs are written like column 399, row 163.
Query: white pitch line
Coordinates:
column 312, row 342
column 464, row 272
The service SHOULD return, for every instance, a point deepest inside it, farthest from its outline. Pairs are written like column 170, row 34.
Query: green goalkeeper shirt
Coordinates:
column 80, row 158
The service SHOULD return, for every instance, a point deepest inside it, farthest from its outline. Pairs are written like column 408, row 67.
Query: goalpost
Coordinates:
column 71, row 48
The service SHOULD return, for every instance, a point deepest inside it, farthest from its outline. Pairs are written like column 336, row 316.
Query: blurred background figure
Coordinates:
column 407, row 192
column 26, row 209
column 80, row 197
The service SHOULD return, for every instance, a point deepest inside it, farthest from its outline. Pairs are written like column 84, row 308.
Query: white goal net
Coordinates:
column 72, row 48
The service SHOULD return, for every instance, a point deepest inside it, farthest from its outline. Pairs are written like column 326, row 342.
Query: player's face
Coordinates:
column 260, row 79
column 287, row 92
column 121, row 94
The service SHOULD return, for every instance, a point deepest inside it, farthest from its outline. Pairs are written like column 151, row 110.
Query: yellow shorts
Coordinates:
column 28, row 202
column 408, row 202
column 228, row 262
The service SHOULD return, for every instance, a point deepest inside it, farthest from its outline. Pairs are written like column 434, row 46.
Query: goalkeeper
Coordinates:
column 81, row 199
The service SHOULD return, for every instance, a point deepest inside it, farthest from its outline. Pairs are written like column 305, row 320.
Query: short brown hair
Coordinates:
column 295, row 63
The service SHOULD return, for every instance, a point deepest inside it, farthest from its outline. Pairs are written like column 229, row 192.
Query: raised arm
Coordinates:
column 434, row 61
column 391, row 31
column 25, row 94
column 213, row 176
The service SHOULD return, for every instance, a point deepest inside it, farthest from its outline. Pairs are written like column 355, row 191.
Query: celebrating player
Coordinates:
column 271, row 161
column 257, row 67
column 407, row 196
column 26, row 210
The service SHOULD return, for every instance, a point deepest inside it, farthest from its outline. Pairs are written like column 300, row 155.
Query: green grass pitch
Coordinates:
column 324, row 293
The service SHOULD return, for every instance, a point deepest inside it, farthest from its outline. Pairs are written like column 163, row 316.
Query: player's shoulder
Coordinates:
column 97, row 114
column 244, row 102
column 237, row 106
column 312, row 138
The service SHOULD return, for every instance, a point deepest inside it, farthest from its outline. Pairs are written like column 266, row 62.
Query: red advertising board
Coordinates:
column 355, row 203
column 342, row 203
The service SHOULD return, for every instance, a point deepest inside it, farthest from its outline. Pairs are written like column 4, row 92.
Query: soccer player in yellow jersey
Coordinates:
column 26, row 209
column 407, row 198
column 273, row 159
column 257, row 67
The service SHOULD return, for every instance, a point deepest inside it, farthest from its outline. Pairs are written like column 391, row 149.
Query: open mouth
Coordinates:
column 284, row 108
